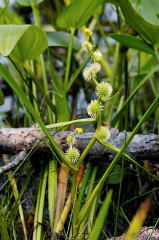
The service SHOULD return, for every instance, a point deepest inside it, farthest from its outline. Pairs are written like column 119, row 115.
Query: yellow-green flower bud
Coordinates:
column 97, row 55
column 102, row 134
column 79, row 130
column 70, row 140
column 88, row 32
column 72, row 155
column 87, row 46
column 94, row 109
column 104, row 91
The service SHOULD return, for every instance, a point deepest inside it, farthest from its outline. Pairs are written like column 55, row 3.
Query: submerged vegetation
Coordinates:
column 72, row 66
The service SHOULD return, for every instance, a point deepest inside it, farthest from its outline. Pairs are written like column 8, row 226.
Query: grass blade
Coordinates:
column 12, row 83
column 98, row 225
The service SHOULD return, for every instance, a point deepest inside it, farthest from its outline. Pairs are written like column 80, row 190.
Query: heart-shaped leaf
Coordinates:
column 77, row 13
column 132, row 42
column 149, row 10
column 22, row 42
column 61, row 39
column 28, row 2
column 147, row 30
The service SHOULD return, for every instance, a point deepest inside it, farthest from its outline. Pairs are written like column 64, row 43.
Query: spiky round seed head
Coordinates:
column 94, row 109
column 88, row 31
column 104, row 91
column 91, row 70
column 96, row 67
column 87, row 73
column 102, row 134
column 70, row 140
column 97, row 55
column 79, row 130
column 87, row 46
column 72, row 155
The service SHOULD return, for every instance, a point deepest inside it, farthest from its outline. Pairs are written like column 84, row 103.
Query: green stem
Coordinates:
column 75, row 203
column 77, row 72
column 85, row 152
column 34, row 90
column 68, row 63
column 94, row 80
column 115, row 149
column 46, row 88
column 99, row 186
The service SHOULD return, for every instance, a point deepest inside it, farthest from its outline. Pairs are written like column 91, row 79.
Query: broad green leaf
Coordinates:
column 1, row 97
column 60, row 98
column 9, row 17
column 28, row 2
column 22, row 42
column 116, row 175
column 61, row 39
column 147, row 30
column 132, row 42
column 149, row 10
column 62, row 108
column 77, row 13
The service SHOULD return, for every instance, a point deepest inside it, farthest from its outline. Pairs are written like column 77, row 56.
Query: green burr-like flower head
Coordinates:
column 104, row 91
column 102, row 134
column 94, row 109
column 72, row 155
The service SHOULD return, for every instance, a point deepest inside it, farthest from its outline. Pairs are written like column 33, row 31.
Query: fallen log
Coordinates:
column 142, row 147
column 144, row 234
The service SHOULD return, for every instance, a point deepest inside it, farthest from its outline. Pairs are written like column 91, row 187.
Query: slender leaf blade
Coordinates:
column 98, row 225
column 139, row 24
column 1, row 97
column 29, row 2
column 132, row 42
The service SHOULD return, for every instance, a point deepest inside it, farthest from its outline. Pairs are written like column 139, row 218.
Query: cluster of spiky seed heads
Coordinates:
column 103, row 89
column 95, row 108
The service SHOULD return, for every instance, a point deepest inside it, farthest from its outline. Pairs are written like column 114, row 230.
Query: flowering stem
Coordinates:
column 85, row 152
column 99, row 121
column 94, row 80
